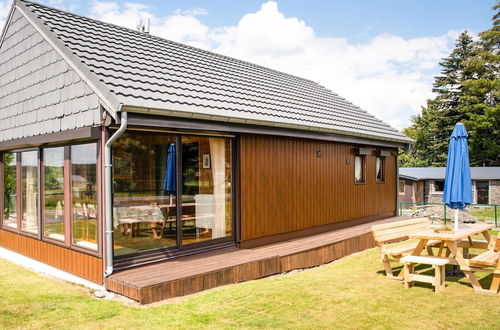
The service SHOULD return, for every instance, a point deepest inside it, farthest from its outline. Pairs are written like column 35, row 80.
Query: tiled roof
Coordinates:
column 438, row 173
column 147, row 73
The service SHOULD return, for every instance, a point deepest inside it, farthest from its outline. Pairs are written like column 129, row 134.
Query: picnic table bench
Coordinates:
column 437, row 280
column 388, row 233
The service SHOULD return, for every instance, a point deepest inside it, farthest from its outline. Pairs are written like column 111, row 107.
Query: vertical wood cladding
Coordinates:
column 286, row 187
column 73, row 262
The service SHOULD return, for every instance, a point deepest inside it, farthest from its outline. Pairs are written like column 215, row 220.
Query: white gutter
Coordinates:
column 109, row 192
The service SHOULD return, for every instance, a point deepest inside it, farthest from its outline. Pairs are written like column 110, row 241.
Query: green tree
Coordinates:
column 467, row 90
column 444, row 111
column 480, row 96
column 432, row 127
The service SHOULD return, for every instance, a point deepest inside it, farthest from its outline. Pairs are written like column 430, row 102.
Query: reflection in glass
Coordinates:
column 10, row 190
column 206, row 189
column 144, row 205
column 53, row 193
column 84, row 195
column 29, row 191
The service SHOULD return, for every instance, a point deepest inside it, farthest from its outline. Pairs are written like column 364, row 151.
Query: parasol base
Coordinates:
column 455, row 272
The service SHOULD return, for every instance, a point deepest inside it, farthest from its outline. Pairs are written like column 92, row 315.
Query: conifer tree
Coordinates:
column 480, row 96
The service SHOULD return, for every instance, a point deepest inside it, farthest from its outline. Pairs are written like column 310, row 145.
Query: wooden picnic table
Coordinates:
column 451, row 240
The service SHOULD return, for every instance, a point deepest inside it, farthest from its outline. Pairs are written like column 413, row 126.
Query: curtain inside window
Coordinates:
column 218, row 157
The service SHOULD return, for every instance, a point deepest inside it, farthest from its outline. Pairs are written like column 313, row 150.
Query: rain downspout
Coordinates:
column 109, row 191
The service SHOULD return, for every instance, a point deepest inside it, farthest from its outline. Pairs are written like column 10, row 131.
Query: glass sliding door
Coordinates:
column 53, row 193
column 144, row 192
column 29, row 192
column 206, row 189
column 84, row 196
column 10, row 190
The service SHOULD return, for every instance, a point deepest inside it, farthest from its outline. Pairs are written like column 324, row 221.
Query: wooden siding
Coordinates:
column 286, row 187
column 80, row 264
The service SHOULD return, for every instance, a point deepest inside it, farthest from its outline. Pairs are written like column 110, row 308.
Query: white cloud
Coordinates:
column 389, row 76
column 4, row 11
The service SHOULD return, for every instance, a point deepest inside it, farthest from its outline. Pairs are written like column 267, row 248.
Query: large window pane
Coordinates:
column 84, row 195
column 206, row 189
column 53, row 193
column 144, row 202
column 10, row 190
column 29, row 189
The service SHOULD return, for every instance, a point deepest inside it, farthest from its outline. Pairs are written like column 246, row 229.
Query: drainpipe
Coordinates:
column 109, row 191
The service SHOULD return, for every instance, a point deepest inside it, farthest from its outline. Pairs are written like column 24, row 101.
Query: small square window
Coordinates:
column 380, row 169
column 359, row 168
column 402, row 187
column 439, row 185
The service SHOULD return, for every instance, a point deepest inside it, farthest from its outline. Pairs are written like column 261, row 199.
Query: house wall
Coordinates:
column 432, row 196
column 408, row 195
column 77, row 263
column 285, row 187
column 38, row 88
column 495, row 191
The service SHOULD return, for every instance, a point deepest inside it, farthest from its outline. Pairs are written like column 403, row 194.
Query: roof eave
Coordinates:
column 403, row 143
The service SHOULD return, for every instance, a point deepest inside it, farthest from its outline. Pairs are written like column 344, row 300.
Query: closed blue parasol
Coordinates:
column 170, row 177
column 457, row 192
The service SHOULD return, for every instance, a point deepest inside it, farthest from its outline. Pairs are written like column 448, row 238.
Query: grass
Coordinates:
column 350, row 293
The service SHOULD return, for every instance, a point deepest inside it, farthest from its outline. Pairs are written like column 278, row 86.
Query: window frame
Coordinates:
column 363, row 169
column 179, row 248
column 19, row 196
column 382, row 164
column 67, row 243
column 404, row 186
column 98, row 196
column 440, row 192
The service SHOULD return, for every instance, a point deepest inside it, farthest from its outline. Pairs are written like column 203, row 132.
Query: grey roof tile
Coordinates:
column 438, row 173
column 145, row 71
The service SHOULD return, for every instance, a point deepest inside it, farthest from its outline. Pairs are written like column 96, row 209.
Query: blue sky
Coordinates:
column 382, row 55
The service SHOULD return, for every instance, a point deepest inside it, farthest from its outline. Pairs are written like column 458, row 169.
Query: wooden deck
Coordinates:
column 200, row 272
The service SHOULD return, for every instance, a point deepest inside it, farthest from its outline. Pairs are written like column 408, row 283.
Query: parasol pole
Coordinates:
column 456, row 219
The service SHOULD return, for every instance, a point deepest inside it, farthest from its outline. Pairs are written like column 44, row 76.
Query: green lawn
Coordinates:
column 350, row 293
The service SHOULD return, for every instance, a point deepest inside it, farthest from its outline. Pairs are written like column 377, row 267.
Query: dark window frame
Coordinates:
column 67, row 243
column 179, row 248
column 382, row 164
column 19, row 196
column 363, row 169
column 435, row 184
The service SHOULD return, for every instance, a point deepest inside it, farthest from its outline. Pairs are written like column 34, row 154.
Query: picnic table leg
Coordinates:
column 408, row 268
column 495, row 282
column 453, row 247
column 441, row 246
column 388, row 268
column 418, row 249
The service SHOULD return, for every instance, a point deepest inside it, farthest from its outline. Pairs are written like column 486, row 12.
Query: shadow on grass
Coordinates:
column 485, row 281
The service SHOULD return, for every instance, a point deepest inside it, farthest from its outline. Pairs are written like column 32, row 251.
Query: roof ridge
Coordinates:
column 148, row 35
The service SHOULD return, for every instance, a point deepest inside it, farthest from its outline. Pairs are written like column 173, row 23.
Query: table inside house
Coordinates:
column 157, row 215
column 451, row 240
